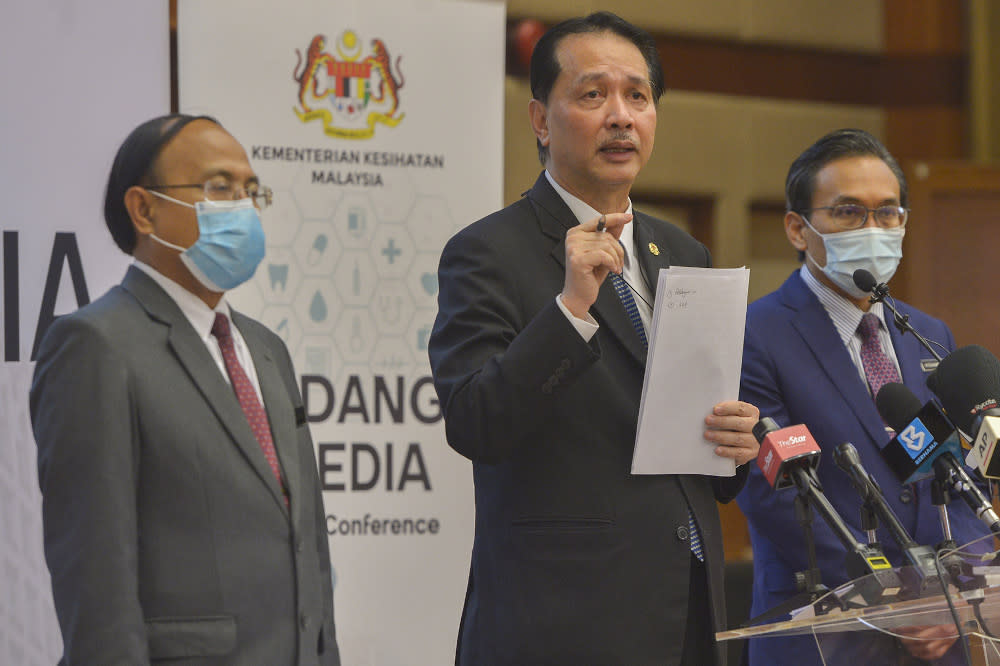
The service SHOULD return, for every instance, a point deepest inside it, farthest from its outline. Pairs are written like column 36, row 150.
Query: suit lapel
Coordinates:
column 193, row 355
column 555, row 219
column 652, row 252
column 283, row 429
column 908, row 353
column 817, row 331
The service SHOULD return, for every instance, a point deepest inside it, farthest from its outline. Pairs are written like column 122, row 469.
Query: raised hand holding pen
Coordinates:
column 592, row 251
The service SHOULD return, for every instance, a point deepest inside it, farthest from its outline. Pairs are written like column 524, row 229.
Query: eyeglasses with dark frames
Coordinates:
column 854, row 216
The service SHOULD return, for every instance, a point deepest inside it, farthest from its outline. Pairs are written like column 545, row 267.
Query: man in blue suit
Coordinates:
column 807, row 346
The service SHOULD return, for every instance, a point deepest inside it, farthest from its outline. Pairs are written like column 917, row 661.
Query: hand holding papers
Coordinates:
column 695, row 353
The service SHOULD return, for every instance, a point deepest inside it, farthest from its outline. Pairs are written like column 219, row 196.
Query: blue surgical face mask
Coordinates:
column 874, row 249
column 230, row 242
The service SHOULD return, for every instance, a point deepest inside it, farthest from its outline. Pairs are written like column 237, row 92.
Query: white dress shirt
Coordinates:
column 846, row 317
column 202, row 318
column 631, row 273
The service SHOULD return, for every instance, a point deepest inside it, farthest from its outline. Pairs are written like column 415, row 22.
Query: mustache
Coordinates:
column 620, row 137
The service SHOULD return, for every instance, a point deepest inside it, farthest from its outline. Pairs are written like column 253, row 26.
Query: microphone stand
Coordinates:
column 940, row 498
column 879, row 294
column 920, row 578
column 808, row 582
column 869, row 523
column 958, row 569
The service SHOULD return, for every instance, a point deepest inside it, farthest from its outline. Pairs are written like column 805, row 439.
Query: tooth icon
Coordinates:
column 279, row 276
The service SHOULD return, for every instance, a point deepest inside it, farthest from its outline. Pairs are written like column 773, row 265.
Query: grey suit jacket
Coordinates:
column 166, row 534
column 575, row 560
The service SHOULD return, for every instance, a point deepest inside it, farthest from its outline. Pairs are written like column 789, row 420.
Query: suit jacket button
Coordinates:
column 906, row 496
column 682, row 533
column 298, row 545
column 566, row 363
column 304, row 621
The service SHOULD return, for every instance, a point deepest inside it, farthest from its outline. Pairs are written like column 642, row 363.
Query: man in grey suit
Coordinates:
column 538, row 354
column 182, row 514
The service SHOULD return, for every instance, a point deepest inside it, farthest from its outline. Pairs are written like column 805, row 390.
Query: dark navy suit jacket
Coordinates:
column 575, row 560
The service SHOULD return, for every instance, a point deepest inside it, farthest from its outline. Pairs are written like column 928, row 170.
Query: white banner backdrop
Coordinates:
column 76, row 78
column 379, row 125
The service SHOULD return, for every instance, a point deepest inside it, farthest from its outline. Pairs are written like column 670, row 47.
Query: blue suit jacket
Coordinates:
column 797, row 370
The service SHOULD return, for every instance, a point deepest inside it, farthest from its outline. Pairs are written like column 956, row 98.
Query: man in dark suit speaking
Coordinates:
column 538, row 355
column 182, row 515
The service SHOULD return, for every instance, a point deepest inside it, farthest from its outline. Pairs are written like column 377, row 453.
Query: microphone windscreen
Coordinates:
column 897, row 405
column 784, row 449
column 763, row 427
column 864, row 280
column 967, row 381
column 846, row 455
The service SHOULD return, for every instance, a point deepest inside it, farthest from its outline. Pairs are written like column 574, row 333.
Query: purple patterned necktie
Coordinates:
column 879, row 368
column 247, row 397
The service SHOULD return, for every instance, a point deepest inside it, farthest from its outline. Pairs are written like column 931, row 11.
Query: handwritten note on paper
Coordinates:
column 695, row 353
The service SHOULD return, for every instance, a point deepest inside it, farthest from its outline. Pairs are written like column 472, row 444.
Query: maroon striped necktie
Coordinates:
column 247, row 397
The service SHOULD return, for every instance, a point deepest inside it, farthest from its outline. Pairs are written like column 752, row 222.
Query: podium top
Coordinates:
column 916, row 602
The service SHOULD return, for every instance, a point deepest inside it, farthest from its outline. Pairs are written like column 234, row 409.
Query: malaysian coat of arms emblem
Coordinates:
column 349, row 93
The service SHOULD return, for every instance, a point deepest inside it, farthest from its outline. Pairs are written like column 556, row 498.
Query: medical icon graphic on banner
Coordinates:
column 351, row 288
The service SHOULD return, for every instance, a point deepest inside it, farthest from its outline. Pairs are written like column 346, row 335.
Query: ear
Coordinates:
column 795, row 230
column 538, row 115
column 139, row 204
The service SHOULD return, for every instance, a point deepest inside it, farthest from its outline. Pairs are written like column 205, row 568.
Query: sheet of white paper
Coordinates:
column 695, row 353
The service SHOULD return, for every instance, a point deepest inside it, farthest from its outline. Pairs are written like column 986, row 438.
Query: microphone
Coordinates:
column 967, row 382
column 923, row 432
column 795, row 449
column 865, row 281
column 924, row 436
column 847, row 458
column 879, row 291
column 921, row 557
column 789, row 456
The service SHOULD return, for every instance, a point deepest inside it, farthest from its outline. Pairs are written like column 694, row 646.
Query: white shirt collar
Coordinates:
column 845, row 314
column 583, row 212
column 200, row 315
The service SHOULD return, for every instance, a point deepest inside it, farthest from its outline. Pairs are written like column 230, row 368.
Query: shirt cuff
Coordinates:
column 585, row 327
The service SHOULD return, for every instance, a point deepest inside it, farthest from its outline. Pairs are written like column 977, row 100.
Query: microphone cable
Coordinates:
column 866, row 282
column 902, row 323
column 951, row 607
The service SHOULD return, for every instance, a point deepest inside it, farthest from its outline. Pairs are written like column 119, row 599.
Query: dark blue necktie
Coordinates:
column 632, row 310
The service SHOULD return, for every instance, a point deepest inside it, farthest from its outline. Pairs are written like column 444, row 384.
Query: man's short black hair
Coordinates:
column 545, row 67
column 800, row 185
column 132, row 166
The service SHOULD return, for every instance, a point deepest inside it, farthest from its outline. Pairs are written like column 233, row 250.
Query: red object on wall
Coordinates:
column 523, row 37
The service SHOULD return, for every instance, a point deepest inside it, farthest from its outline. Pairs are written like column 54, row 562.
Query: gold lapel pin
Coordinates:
column 655, row 250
